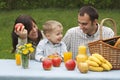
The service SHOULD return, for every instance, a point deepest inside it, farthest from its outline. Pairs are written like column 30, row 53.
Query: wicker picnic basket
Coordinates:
column 106, row 47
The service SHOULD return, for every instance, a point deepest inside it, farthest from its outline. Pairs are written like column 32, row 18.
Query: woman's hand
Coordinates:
column 20, row 31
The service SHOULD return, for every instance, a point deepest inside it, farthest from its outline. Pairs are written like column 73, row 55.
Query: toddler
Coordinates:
column 52, row 44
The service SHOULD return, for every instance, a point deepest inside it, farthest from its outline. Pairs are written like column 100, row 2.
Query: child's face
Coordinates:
column 56, row 35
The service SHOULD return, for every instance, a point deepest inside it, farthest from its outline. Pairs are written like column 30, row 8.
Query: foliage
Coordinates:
column 103, row 3
column 34, row 4
column 92, row 2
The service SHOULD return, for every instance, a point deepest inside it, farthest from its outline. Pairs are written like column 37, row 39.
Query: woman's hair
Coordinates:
column 50, row 25
column 91, row 11
column 27, row 22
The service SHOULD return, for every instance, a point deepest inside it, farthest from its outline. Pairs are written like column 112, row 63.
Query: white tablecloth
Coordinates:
column 9, row 71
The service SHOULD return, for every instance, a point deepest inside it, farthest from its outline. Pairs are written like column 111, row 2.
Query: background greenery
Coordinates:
column 68, row 17
column 33, row 4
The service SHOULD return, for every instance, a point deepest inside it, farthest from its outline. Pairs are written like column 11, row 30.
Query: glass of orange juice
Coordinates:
column 67, row 56
column 18, row 59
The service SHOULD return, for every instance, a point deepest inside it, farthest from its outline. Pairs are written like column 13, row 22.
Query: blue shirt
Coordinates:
column 45, row 48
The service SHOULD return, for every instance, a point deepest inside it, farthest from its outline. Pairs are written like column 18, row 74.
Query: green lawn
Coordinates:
column 67, row 17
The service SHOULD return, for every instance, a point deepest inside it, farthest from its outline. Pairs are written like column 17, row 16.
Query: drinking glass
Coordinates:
column 67, row 56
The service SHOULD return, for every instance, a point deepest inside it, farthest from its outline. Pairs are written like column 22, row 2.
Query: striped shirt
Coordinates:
column 75, row 37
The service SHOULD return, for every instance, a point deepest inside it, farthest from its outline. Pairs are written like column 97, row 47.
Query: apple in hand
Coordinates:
column 56, row 61
column 19, row 26
column 70, row 64
column 47, row 64
column 83, row 67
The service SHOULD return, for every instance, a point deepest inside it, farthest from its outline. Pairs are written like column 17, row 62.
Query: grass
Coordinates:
column 67, row 17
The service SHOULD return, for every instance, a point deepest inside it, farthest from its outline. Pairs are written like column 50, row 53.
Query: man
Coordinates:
column 87, row 31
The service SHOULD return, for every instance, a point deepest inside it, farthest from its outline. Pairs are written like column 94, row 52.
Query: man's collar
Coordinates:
column 95, row 34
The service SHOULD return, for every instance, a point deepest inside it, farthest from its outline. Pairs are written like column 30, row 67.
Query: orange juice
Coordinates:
column 82, row 50
column 18, row 59
column 67, row 56
column 82, row 54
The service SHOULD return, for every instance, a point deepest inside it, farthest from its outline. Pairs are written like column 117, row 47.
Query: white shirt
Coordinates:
column 75, row 37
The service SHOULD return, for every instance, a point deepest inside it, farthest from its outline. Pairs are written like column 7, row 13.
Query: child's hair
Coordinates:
column 50, row 25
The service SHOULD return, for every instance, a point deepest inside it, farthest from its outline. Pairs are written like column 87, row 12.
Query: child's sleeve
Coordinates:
column 39, row 54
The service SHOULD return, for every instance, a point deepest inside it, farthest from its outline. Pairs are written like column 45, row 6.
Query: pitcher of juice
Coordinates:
column 67, row 56
column 18, row 59
column 82, row 54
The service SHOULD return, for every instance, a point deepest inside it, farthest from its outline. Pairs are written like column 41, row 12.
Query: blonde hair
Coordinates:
column 50, row 25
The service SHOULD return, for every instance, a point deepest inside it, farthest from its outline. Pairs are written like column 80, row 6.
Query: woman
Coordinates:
column 29, row 33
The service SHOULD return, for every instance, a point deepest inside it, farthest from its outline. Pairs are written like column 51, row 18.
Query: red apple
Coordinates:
column 47, row 64
column 70, row 64
column 19, row 26
column 56, row 61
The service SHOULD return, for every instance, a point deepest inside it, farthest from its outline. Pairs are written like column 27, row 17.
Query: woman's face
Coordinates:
column 33, row 34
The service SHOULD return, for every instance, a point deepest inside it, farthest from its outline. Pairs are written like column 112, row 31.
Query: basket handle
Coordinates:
column 114, row 26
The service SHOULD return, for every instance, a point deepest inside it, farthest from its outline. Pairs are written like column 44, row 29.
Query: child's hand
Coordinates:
column 54, row 55
column 44, row 58
column 51, row 56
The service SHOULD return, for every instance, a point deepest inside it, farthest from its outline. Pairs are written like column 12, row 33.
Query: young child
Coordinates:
column 52, row 44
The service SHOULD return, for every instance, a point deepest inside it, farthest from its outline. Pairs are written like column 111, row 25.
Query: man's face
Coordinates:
column 85, row 24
